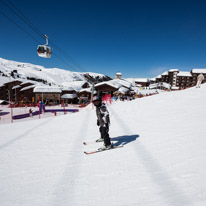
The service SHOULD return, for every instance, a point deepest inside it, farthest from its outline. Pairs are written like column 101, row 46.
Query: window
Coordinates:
column 41, row 49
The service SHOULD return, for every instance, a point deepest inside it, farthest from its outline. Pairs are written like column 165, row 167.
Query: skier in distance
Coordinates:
column 200, row 78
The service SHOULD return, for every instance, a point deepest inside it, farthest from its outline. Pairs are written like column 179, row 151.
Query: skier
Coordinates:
column 30, row 112
column 103, row 121
column 200, row 78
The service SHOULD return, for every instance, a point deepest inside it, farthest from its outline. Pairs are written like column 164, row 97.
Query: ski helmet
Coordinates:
column 97, row 98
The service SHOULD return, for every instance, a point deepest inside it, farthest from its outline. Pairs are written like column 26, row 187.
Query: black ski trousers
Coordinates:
column 105, row 134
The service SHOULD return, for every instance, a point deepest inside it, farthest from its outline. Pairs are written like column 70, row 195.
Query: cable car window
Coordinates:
column 41, row 49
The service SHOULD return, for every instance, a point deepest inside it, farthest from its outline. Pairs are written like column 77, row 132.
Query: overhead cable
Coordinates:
column 32, row 26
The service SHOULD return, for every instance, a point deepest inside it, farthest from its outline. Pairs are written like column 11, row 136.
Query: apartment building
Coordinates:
column 181, row 79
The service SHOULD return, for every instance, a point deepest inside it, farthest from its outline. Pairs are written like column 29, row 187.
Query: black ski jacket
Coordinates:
column 102, row 115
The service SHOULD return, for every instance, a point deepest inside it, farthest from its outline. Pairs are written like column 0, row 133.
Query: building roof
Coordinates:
column 116, row 83
column 165, row 73
column 141, row 80
column 89, row 90
column 26, row 88
column 68, row 89
column 152, row 86
column 73, row 86
column 47, row 89
column 173, row 70
column 184, row 74
column 152, row 79
column 13, row 80
column 29, row 82
column 109, row 83
column 175, row 88
column 198, row 71
column 166, row 85
column 123, row 90
column 68, row 96
column 123, row 82
column 2, row 101
column 16, row 87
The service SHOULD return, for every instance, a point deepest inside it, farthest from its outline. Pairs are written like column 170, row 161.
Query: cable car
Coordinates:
column 44, row 50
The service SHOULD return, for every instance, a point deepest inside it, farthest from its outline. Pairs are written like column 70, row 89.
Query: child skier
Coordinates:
column 103, row 121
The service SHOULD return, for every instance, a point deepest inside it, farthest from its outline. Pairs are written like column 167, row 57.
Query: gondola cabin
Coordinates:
column 44, row 51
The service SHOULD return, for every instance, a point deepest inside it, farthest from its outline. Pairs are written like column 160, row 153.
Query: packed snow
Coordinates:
column 162, row 162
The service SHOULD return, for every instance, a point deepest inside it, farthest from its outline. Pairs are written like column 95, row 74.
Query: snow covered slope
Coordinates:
column 162, row 162
column 12, row 69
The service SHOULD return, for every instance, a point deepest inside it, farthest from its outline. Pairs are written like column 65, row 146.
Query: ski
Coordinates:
column 97, row 151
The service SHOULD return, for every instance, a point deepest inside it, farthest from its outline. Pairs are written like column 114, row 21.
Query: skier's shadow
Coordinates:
column 123, row 140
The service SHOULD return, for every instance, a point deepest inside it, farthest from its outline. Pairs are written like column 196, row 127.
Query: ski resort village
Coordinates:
column 49, row 153
column 102, row 103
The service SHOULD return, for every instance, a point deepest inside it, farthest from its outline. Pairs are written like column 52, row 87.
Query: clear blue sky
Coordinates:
column 137, row 38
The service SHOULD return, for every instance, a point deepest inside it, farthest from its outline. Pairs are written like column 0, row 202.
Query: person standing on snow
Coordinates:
column 103, row 122
column 200, row 78
column 30, row 112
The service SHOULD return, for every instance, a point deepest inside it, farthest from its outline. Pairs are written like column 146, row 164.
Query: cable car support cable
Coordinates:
column 18, row 13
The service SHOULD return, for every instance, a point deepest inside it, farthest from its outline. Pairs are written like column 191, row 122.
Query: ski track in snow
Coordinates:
column 66, row 187
column 169, row 189
column 24, row 134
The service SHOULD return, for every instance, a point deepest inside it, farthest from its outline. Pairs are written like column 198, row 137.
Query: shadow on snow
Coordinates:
column 123, row 140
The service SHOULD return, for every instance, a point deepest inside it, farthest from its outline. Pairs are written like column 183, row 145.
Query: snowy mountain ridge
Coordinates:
column 10, row 70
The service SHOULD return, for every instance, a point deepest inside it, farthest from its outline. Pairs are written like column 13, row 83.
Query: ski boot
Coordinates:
column 100, row 140
column 104, row 147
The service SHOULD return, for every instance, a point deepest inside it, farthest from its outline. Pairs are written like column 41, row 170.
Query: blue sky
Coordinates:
column 137, row 38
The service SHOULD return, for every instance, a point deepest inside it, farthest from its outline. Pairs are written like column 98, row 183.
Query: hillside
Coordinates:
column 12, row 70
column 162, row 162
